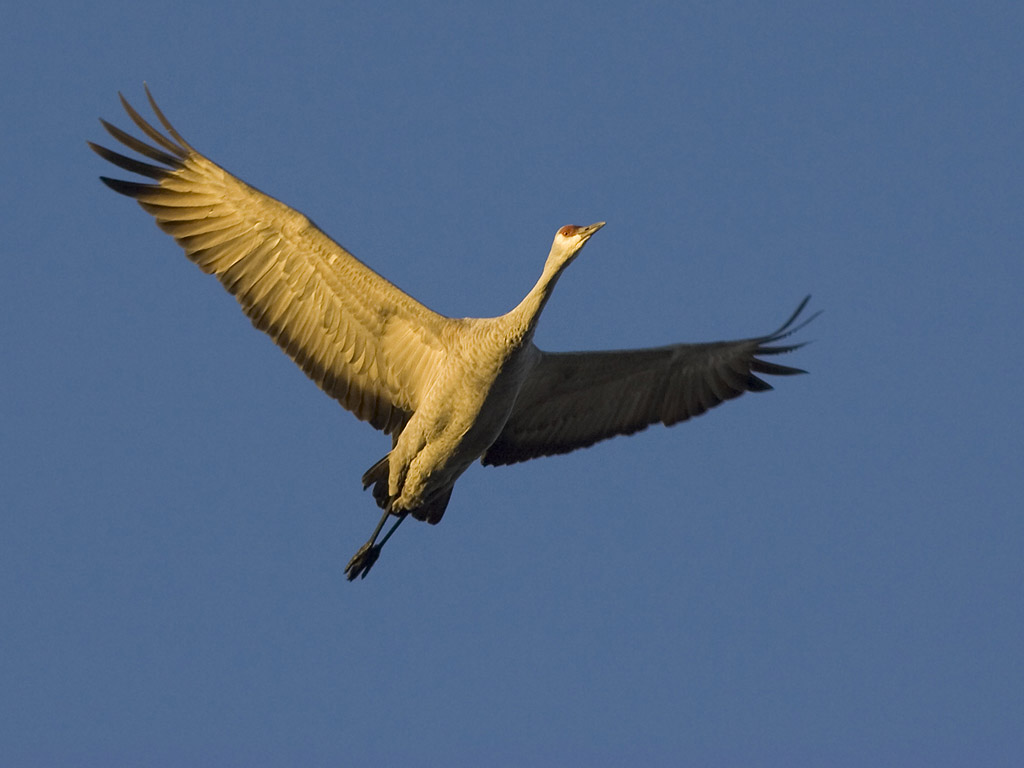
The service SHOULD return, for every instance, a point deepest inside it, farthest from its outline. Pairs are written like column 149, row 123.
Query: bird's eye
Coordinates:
column 567, row 231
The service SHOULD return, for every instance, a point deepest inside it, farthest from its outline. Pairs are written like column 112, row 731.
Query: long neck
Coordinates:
column 523, row 319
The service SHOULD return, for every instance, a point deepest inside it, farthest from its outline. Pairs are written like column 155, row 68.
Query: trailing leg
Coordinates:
column 363, row 560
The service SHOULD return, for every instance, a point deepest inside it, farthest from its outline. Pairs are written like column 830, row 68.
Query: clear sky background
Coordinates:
column 830, row 573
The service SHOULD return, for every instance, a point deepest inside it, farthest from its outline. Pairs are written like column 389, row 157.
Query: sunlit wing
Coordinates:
column 361, row 339
column 572, row 400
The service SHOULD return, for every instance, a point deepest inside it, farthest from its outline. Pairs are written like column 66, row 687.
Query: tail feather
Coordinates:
column 377, row 476
column 434, row 509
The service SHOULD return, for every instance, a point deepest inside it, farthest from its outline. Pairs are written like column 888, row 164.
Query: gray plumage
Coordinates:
column 447, row 390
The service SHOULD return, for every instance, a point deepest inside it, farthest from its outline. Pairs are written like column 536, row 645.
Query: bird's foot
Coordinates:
column 362, row 561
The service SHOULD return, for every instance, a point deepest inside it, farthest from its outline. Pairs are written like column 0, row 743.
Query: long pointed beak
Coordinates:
column 587, row 232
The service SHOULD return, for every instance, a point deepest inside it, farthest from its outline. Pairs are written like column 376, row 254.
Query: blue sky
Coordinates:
column 829, row 573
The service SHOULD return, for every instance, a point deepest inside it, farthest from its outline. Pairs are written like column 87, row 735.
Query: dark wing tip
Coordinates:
column 787, row 328
column 128, row 163
column 129, row 188
column 176, row 146
column 765, row 347
column 755, row 384
column 141, row 147
column 171, row 152
column 763, row 350
column 165, row 122
column 774, row 369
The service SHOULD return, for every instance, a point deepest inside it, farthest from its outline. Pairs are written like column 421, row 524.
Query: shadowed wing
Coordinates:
column 361, row 339
column 575, row 399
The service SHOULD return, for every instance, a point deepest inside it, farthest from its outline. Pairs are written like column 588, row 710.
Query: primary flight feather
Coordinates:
column 447, row 390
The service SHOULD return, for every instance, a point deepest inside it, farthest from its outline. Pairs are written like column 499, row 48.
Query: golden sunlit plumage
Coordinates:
column 449, row 391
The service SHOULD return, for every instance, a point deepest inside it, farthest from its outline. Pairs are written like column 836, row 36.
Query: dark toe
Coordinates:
column 362, row 562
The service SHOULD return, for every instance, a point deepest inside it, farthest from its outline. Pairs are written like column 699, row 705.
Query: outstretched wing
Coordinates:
column 572, row 400
column 361, row 339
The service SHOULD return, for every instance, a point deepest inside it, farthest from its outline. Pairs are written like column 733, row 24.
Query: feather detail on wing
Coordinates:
column 361, row 339
column 575, row 399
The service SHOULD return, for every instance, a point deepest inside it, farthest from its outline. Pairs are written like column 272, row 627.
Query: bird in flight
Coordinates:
column 447, row 390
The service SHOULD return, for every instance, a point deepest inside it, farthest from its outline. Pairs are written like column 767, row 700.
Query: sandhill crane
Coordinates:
column 447, row 390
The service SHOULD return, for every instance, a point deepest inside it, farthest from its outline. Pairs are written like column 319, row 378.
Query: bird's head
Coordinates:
column 569, row 241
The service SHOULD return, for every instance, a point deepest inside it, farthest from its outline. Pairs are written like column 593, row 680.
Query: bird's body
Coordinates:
column 449, row 391
column 468, row 398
